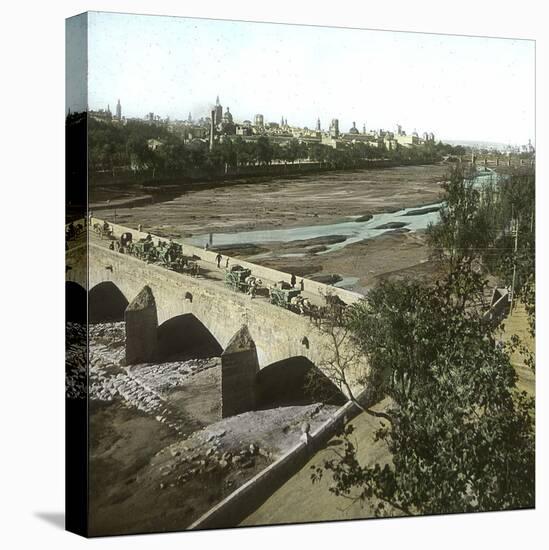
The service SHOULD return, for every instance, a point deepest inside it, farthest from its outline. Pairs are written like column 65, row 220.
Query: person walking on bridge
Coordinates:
column 293, row 280
column 218, row 259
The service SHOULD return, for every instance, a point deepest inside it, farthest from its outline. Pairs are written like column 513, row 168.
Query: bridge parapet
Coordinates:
column 266, row 273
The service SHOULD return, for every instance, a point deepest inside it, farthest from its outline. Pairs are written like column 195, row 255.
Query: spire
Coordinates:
column 217, row 100
column 318, row 124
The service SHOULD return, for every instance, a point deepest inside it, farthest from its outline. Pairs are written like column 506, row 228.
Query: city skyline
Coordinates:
column 460, row 88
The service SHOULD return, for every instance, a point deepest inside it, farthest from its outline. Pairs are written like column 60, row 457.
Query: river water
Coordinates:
column 353, row 230
column 410, row 219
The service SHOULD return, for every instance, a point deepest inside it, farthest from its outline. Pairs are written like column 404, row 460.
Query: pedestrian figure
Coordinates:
column 111, row 246
column 227, row 264
column 139, row 228
column 293, row 280
column 218, row 259
column 302, row 285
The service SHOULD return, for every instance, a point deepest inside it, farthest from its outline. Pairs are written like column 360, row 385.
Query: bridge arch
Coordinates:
column 295, row 381
column 107, row 303
column 185, row 336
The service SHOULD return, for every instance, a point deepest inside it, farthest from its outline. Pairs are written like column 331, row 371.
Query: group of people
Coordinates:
column 219, row 259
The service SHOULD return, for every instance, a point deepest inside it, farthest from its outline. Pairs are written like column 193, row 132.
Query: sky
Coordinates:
column 468, row 88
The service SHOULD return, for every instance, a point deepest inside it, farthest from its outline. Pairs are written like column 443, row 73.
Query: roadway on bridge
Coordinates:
column 208, row 270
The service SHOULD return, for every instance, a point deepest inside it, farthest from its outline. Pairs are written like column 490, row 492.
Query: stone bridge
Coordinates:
column 189, row 308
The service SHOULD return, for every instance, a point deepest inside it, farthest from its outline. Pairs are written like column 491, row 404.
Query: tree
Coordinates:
column 460, row 434
column 493, row 226
column 263, row 151
column 468, row 221
column 513, row 256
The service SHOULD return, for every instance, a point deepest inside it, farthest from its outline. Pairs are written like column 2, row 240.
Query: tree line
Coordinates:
column 114, row 148
column 461, row 436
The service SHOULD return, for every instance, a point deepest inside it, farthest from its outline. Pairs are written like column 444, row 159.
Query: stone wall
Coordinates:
column 277, row 332
column 141, row 323
column 239, row 368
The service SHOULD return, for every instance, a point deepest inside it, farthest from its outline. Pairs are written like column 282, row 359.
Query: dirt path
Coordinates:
column 299, row 500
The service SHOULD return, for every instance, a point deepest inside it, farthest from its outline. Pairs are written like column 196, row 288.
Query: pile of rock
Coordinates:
column 142, row 386
column 167, row 376
column 184, row 463
column 75, row 361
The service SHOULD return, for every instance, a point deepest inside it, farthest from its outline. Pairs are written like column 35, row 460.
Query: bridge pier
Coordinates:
column 239, row 368
column 141, row 320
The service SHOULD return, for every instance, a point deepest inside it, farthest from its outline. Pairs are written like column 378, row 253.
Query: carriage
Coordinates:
column 145, row 250
column 282, row 297
column 236, row 276
column 170, row 254
column 103, row 230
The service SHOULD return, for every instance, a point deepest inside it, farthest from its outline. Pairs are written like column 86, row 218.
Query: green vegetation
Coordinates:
column 115, row 148
column 460, row 433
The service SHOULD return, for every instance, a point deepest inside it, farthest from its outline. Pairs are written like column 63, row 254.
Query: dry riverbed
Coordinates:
column 310, row 200
column 160, row 453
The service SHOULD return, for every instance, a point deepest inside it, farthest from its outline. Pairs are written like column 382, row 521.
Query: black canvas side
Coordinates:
column 76, row 279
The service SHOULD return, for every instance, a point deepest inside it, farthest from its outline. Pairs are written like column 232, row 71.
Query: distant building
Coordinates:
column 101, row 114
column 353, row 129
column 334, row 128
column 154, row 144
column 118, row 111
column 227, row 117
column 218, row 112
column 259, row 121
column 243, row 129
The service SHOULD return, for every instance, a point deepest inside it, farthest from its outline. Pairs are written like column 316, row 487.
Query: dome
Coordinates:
column 354, row 129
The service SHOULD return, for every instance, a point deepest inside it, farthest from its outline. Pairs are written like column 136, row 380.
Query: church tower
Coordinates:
column 218, row 110
column 119, row 111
